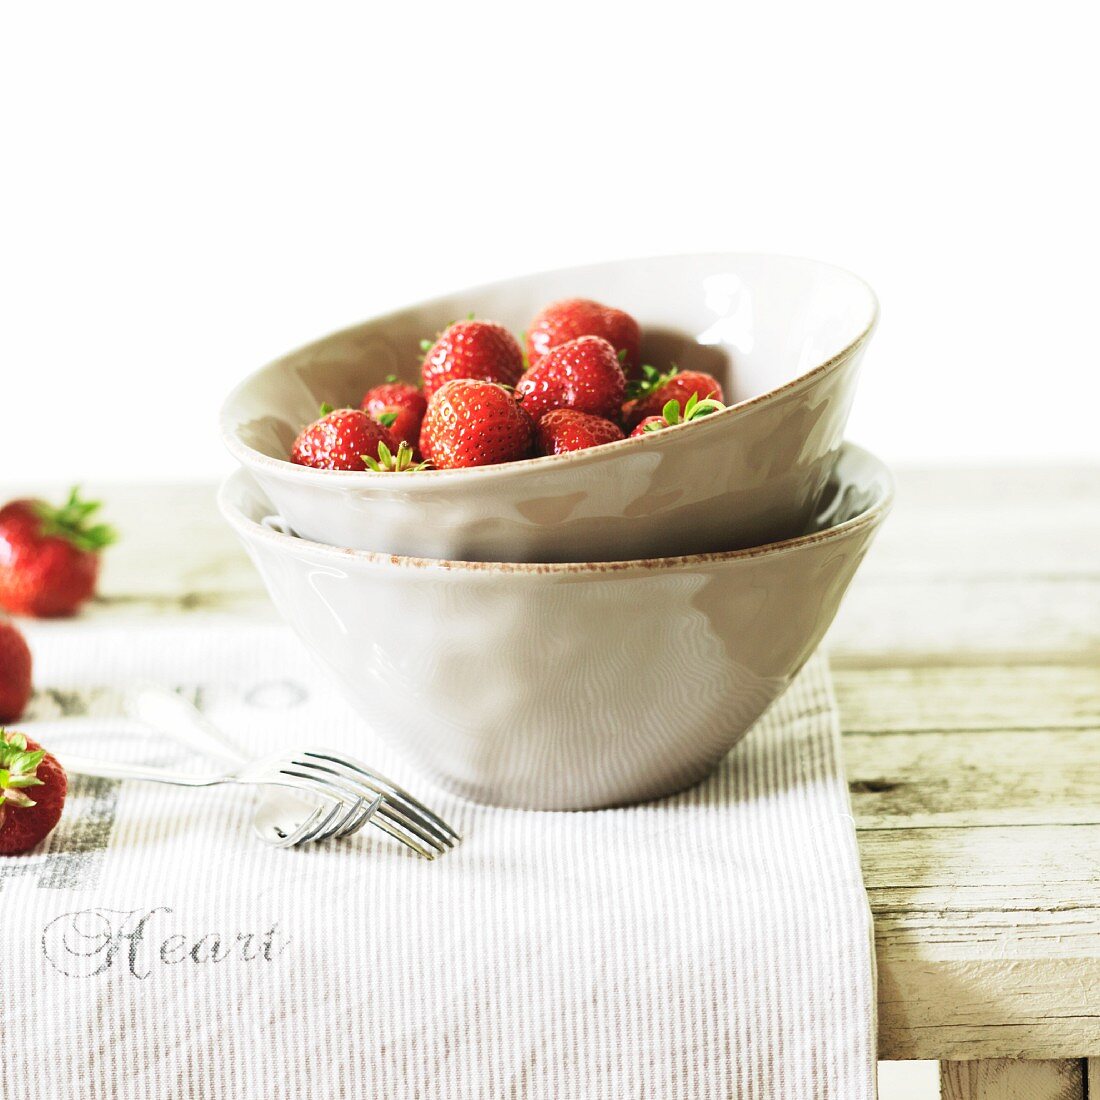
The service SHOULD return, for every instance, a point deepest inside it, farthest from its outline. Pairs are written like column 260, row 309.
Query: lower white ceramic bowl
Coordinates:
column 568, row 686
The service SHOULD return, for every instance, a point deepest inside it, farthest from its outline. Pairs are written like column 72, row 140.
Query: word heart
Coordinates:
column 88, row 942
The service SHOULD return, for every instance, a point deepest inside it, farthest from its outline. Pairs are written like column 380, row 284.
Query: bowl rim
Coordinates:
column 369, row 479
column 871, row 516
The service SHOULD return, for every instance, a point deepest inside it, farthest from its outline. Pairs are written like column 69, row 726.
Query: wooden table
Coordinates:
column 967, row 667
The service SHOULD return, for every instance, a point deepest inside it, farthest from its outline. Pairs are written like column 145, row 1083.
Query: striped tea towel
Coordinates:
column 714, row 944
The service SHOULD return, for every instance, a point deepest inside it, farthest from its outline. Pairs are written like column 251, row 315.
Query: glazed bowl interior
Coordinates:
column 758, row 323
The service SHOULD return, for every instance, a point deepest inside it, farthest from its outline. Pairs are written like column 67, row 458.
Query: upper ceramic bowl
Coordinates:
column 785, row 336
column 568, row 686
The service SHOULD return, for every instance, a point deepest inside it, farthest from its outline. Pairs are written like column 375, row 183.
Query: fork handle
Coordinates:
column 173, row 715
column 108, row 769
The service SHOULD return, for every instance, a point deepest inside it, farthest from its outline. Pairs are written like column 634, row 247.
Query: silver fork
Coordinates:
column 332, row 817
column 400, row 814
column 340, row 794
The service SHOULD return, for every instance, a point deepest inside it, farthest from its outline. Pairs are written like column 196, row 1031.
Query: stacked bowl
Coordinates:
column 595, row 627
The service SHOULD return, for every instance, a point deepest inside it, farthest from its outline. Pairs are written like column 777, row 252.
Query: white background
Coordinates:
column 189, row 191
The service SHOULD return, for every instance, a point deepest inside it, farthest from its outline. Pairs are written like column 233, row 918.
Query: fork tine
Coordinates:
column 351, row 827
column 406, row 818
column 411, row 806
column 387, row 826
column 328, row 826
column 334, row 824
column 288, row 840
column 396, row 829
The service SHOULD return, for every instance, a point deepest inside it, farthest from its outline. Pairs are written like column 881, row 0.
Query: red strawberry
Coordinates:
column 49, row 557
column 475, row 423
column 425, row 444
column 650, row 424
column 670, row 414
column 472, row 349
column 655, row 390
column 569, row 430
column 32, row 793
column 339, row 440
column 399, row 406
column 564, row 321
column 583, row 374
column 15, row 673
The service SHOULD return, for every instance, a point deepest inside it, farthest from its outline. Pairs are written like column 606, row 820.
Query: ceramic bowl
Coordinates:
column 568, row 686
column 785, row 336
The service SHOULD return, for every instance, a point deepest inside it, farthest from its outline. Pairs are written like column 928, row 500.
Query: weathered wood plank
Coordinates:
column 988, row 940
column 1056, row 861
column 888, row 621
column 978, row 697
column 952, row 778
column 1002, row 522
column 1008, row 1079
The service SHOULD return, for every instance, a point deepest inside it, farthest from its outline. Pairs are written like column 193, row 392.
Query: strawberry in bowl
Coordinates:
column 654, row 390
column 584, row 374
column 399, row 407
column 566, row 320
column 475, row 423
column 482, row 350
column 564, row 430
column 342, row 439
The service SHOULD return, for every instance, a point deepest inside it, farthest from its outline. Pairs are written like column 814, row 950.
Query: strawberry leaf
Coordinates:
column 651, row 380
column 671, row 411
column 18, row 769
column 69, row 522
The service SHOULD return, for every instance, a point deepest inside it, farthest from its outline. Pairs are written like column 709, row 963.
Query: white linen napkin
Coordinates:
column 713, row 944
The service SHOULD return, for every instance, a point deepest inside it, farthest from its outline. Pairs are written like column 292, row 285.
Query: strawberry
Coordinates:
column 424, row 446
column 399, row 406
column 568, row 430
column 49, row 557
column 670, row 414
column 583, row 374
column 655, row 390
column 566, row 320
column 340, row 440
column 475, row 423
column 472, row 349
column 650, row 424
column 26, row 767
column 15, row 673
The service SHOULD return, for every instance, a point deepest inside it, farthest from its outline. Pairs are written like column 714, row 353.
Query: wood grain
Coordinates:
column 967, row 669
column 1007, row 1079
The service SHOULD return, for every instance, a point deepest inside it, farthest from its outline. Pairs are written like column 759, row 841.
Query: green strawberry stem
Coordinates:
column 388, row 462
column 18, row 769
column 693, row 410
column 651, row 379
column 70, row 522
